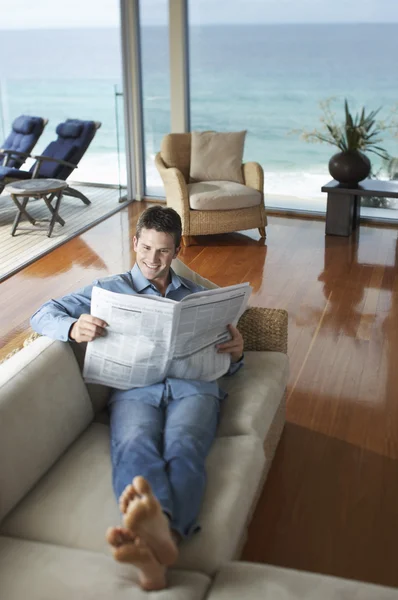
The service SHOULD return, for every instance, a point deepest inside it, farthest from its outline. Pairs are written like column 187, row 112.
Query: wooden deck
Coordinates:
column 31, row 242
column 330, row 503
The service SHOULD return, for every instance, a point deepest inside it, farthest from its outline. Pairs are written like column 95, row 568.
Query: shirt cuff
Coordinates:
column 65, row 328
column 234, row 367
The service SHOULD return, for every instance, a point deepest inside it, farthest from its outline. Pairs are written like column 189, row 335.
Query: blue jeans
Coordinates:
column 167, row 442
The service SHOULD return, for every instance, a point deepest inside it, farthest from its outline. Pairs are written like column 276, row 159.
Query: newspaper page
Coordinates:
column 202, row 324
column 149, row 338
column 136, row 349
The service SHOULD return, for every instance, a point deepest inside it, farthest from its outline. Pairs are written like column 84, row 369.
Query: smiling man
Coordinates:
column 160, row 434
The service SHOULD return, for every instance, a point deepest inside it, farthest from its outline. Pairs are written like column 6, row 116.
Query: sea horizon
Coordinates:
column 269, row 85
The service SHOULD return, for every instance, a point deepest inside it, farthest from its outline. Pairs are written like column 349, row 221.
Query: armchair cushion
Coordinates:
column 222, row 195
column 24, row 135
column 216, row 156
column 23, row 125
column 54, row 150
column 69, row 129
column 11, row 172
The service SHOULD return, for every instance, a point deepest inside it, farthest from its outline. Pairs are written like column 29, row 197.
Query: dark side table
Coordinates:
column 344, row 203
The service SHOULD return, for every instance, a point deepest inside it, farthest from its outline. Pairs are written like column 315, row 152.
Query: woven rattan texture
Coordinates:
column 264, row 329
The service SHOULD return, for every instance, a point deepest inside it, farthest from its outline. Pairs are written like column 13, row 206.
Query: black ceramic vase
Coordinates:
column 349, row 167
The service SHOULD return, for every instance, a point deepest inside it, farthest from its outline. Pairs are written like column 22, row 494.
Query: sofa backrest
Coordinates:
column 44, row 407
column 183, row 271
column 99, row 394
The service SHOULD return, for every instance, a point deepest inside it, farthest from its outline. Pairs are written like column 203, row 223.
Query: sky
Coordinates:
column 43, row 14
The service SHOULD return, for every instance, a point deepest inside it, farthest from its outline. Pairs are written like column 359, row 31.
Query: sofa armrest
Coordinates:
column 253, row 175
column 44, row 407
column 264, row 329
column 176, row 188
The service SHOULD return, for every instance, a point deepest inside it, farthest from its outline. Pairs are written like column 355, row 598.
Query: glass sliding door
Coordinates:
column 266, row 68
column 65, row 64
column 154, row 36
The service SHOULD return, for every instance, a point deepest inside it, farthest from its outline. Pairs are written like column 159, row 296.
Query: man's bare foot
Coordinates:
column 143, row 516
column 128, row 548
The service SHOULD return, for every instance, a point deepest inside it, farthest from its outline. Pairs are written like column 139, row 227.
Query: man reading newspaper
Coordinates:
column 160, row 434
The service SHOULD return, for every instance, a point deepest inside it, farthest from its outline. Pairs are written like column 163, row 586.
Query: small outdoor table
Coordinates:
column 33, row 189
column 344, row 203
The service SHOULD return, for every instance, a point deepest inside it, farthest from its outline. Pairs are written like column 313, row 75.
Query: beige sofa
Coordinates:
column 56, row 499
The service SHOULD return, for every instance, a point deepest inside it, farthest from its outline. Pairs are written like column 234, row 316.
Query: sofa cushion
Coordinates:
column 74, row 503
column 99, row 394
column 44, row 572
column 222, row 195
column 255, row 393
column 235, row 470
column 216, row 155
column 252, row 581
column 44, row 406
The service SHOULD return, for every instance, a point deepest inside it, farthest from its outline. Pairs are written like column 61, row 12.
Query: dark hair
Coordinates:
column 163, row 219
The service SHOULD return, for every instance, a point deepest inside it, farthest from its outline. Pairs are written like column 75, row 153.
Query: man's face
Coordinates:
column 155, row 250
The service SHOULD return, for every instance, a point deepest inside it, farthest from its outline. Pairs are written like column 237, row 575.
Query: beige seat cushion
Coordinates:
column 252, row 582
column 73, row 504
column 33, row 571
column 216, row 155
column 222, row 195
column 255, row 393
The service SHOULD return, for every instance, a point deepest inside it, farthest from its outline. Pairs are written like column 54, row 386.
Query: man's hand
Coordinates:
column 87, row 328
column 233, row 346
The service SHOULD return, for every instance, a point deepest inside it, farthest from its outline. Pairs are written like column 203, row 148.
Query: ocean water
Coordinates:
column 267, row 79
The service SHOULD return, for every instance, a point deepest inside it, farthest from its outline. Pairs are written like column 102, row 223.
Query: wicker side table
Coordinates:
column 34, row 189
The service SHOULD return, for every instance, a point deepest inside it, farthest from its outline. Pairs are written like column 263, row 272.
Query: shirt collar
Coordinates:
column 141, row 283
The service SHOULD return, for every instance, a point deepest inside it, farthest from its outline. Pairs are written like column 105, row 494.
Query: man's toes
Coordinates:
column 132, row 550
column 119, row 536
column 127, row 496
column 113, row 536
column 125, row 553
column 141, row 485
column 135, row 516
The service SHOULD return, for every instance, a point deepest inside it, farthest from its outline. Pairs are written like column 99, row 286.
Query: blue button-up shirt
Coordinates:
column 56, row 317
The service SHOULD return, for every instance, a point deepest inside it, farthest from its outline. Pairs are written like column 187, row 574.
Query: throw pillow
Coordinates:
column 216, row 156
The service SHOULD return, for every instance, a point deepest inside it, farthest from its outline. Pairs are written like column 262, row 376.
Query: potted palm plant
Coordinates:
column 357, row 135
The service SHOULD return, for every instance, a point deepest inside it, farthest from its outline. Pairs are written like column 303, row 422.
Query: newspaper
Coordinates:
column 149, row 338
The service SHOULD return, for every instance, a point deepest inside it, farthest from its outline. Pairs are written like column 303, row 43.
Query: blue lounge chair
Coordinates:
column 17, row 147
column 60, row 157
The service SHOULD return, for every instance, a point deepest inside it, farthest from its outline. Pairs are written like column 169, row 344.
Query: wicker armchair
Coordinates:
column 173, row 164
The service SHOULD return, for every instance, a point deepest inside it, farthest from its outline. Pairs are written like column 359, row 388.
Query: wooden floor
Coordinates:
column 330, row 503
